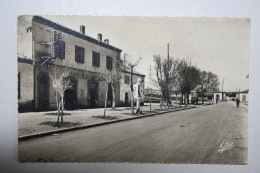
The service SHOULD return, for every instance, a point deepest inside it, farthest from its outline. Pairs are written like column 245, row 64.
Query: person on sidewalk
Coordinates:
column 237, row 101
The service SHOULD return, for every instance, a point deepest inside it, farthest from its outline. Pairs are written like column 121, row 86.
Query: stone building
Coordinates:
column 48, row 51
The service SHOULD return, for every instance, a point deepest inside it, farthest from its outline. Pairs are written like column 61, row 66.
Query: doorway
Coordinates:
column 109, row 96
column 69, row 99
column 92, row 93
column 43, row 91
column 243, row 98
column 126, row 99
column 70, row 94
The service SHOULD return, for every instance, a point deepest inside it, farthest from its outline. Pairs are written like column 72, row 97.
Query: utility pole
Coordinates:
column 132, row 89
column 150, row 92
column 222, row 89
column 167, row 76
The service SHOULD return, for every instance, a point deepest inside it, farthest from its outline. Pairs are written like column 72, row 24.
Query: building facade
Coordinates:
column 243, row 96
column 48, row 51
column 125, row 85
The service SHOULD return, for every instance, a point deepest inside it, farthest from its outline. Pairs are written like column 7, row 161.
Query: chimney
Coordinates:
column 106, row 41
column 82, row 29
column 99, row 37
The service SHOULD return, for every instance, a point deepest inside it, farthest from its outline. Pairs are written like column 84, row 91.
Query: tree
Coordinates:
column 60, row 84
column 115, row 80
column 112, row 77
column 208, row 81
column 166, row 74
column 188, row 79
column 108, row 82
column 132, row 66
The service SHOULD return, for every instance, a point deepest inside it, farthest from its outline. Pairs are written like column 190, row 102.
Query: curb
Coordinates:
column 47, row 133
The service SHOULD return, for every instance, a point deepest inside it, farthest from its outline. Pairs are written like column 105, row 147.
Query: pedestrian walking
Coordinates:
column 238, row 101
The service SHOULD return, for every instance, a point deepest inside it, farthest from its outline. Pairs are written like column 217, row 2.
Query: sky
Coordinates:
column 219, row 45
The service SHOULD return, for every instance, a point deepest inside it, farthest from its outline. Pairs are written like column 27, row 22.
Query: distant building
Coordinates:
column 125, row 86
column 221, row 96
column 243, row 95
column 85, row 59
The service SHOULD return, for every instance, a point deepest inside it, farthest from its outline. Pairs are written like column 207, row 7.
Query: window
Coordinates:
column 79, row 54
column 58, row 50
column 62, row 50
column 109, row 63
column 19, row 85
column 127, row 79
column 57, row 45
column 95, row 59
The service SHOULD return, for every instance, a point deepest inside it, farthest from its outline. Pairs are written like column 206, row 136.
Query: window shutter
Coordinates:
column 79, row 54
column 62, row 50
column 98, row 60
column 76, row 53
column 93, row 58
column 82, row 55
column 57, row 48
column 107, row 63
column 111, row 63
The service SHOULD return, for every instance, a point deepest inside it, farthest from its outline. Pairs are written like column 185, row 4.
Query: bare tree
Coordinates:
column 108, row 82
column 189, row 77
column 166, row 73
column 132, row 66
column 115, row 80
column 60, row 84
column 112, row 78
column 208, row 81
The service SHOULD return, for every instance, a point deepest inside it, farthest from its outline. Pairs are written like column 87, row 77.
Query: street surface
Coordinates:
column 215, row 134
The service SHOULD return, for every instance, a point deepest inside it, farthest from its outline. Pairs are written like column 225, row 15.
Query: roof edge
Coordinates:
column 57, row 26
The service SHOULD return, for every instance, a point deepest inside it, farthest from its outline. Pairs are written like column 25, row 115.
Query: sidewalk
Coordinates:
column 29, row 123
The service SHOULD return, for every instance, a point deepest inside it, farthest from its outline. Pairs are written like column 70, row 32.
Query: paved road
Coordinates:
column 190, row 136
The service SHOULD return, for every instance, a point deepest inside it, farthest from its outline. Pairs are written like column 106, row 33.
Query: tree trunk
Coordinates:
column 57, row 102
column 58, row 107
column 132, row 102
column 177, row 99
column 202, row 98
column 105, row 102
column 150, row 103
column 62, row 108
column 168, row 101
column 58, row 119
column 197, row 98
column 114, row 98
column 132, row 92
column 186, row 99
column 167, row 96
